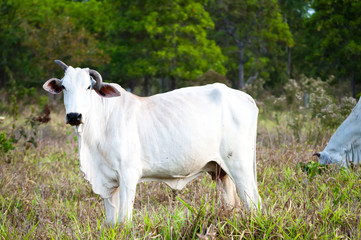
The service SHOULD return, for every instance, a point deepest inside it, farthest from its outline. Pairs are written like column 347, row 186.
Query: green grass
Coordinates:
column 44, row 196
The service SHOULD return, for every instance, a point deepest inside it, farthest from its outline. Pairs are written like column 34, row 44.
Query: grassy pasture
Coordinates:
column 44, row 196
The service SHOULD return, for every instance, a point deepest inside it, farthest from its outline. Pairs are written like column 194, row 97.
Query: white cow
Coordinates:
column 171, row 137
column 344, row 147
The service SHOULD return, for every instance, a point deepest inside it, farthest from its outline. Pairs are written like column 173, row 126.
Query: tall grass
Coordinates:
column 44, row 196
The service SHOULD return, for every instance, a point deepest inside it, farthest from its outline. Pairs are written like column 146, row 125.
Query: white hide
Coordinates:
column 344, row 147
column 171, row 137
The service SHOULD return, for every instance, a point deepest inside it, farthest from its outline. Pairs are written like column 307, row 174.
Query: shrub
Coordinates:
column 5, row 143
column 13, row 92
column 308, row 107
column 330, row 113
column 316, row 96
column 256, row 89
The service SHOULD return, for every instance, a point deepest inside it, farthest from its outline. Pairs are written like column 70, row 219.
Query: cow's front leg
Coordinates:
column 119, row 206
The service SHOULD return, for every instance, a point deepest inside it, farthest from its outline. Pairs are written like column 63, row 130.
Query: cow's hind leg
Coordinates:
column 239, row 159
column 246, row 184
column 229, row 193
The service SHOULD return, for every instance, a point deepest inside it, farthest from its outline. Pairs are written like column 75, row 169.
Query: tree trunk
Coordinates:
column 165, row 84
column 2, row 78
column 289, row 62
column 241, row 84
column 173, row 83
column 131, row 85
column 145, row 86
column 353, row 85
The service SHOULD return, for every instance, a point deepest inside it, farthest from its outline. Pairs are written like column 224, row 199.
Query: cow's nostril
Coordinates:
column 73, row 118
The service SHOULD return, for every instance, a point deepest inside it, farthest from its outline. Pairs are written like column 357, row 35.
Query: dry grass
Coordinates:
column 43, row 194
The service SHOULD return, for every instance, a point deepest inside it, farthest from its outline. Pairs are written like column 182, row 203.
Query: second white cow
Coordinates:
column 171, row 137
column 344, row 147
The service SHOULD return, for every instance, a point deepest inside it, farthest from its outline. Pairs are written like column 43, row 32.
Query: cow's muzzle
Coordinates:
column 317, row 154
column 74, row 119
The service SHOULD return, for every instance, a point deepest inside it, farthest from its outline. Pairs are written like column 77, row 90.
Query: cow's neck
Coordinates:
column 109, row 115
column 95, row 125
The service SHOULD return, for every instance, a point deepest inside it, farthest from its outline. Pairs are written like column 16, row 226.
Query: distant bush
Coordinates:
column 316, row 96
column 333, row 114
column 307, row 106
column 15, row 98
column 210, row 77
column 256, row 89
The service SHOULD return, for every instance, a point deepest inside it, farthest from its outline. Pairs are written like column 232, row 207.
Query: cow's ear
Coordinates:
column 107, row 90
column 53, row 86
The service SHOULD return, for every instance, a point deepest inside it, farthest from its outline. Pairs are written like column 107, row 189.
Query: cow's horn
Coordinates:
column 97, row 77
column 316, row 154
column 61, row 64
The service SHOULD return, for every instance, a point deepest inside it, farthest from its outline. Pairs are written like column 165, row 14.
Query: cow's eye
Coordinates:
column 89, row 87
column 62, row 86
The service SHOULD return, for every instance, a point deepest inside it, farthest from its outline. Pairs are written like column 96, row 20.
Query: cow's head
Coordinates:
column 78, row 86
column 345, row 156
column 344, row 147
column 325, row 158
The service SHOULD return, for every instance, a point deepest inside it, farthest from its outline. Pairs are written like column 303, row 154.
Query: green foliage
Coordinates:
column 35, row 33
column 10, row 100
column 251, row 34
column 312, row 168
column 336, row 38
column 159, row 45
column 5, row 143
column 295, row 13
column 163, row 39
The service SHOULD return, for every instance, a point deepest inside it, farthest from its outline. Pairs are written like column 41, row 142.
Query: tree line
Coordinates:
column 156, row 46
